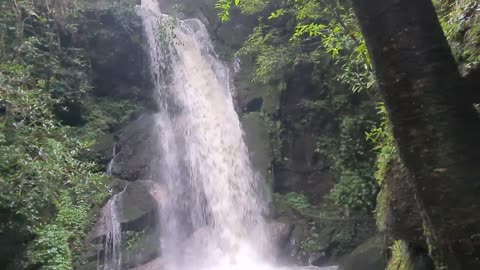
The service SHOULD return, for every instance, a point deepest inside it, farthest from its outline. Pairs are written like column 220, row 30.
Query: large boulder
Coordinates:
column 371, row 255
column 316, row 239
column 135, row 209
column 141, row 247
column 135, row 149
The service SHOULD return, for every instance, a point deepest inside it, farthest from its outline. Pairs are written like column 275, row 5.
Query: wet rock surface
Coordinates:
column 136, row 208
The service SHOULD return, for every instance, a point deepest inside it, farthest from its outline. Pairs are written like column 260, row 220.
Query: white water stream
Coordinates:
column 213, row 195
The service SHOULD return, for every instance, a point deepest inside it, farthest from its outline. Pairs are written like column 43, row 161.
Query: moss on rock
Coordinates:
column 405, row 258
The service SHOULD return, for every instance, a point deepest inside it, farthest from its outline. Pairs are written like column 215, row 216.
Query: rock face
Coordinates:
column 136, row 210
column 308, row 237
column 134, row 149
column 300, row 237
column 304, row 170
column 114, row 41
column 371, row 255
column 113, row 38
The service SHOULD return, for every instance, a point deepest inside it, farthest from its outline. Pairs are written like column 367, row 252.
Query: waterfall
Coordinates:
column 112, row 253
column 112, row 256
column 212, row 214
column 110, row 164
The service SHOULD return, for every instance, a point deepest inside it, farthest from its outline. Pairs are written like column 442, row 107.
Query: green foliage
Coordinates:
column 382, row 137
column 247, row 6
column 323, row 34
column 401, row 258
column 461, row 24
column 44, row 186
column 47, row 191
column 310, row 243
column 130, row 238
column 167, row 35
column 108, row 114
column 354, row 191
column 352, row 162
column 271, row 61
column 223, row 7
column 55, row 241
column 327, row 26
column 293, row 200
column 335, row 27
column 297, row 200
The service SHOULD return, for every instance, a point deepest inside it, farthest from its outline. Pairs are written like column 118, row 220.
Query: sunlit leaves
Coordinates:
column 223, row 7
column 276, row 14
column 307, row 10
column 381, row 136
column 311, row 29
column 246, row 6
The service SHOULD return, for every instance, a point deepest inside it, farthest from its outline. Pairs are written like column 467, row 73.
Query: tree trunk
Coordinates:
column 436, row 129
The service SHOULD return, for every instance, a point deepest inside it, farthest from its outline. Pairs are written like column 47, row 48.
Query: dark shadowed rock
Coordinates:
column 402, row 217
column 135, row 149
column 142, row 248
column 118, row 57
column 371, row 255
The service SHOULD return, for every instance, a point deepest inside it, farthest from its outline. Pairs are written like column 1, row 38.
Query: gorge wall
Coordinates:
column 289, row 161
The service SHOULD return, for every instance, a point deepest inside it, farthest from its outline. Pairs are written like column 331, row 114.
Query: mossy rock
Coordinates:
column 371, row 255
column 140, row 247
column 135, row 204
column 135, row 207
column 407, row 258
column 257, row 139
column 320, row 237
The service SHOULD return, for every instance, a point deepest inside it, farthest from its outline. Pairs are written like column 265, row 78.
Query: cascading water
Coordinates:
column 112, row 254
column 212, row 206
column 214, row 197
column 110, row 164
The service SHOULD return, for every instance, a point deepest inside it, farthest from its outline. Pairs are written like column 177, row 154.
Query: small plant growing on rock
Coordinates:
column 297, row 200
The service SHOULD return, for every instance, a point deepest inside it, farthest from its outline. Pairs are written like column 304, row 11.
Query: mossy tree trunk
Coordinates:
column 436, row 129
